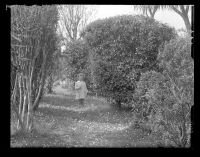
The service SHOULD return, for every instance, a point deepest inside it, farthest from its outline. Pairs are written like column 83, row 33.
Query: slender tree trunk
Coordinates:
column 18, row 116
column 30, row 102
column 152, row 16
column 187, row 23
column 184, row 14
column 22, row 104
column 39, row 96
column 29, row 114
column 36, row 103
column 20, row 100
column 23, row 109
column 13, row 102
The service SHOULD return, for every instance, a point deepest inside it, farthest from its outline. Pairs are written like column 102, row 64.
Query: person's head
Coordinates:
column 81, row 77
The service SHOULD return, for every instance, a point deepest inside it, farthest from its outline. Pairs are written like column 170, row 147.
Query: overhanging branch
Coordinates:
column 176, row 10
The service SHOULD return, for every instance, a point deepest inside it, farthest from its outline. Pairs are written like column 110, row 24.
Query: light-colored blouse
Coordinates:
column 81, row 90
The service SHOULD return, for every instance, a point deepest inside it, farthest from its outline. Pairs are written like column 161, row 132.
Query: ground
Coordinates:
column 61, row 122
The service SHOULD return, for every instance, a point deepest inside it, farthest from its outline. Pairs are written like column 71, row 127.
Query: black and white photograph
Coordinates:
column 101, row 76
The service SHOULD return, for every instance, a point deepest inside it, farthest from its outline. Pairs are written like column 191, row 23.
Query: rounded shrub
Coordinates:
column 124, row 45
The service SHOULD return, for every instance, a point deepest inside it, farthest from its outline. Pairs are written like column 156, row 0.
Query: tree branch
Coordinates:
column 69, row 33
column 42, row 78
column 18, row 39
column 75, row 18
column 183, row 9
column 150, row 11
column 155, row 9
column 176, row 10
column 187, row 9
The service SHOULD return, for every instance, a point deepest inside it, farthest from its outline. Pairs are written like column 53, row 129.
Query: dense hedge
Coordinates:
column 170, row 94
column 124, row 45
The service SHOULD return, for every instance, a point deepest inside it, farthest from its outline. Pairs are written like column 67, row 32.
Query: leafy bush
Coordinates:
column 154, row 88
column 178, row 67
column 76, row 54
column 170, row 93
column 152, row 92
column 124, row 44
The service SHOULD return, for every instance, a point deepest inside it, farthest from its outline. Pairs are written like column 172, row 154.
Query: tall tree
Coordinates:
column 32, row 47
column 73, row 18
column 182, row 10
column 148, row 10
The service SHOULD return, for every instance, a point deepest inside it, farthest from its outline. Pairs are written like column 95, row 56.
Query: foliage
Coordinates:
column 124, row 45
column 49, row 43
column 179, row 65
column 170, row 93
column 151, row 95
column 181, row 10
column 77, row 60
column 148, row 10
column 77, row 54
column 112, row 83
column 179, row 69
column 32, row 48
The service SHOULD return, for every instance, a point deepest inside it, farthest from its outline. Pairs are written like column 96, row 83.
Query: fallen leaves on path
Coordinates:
column 93, row 125
column 88, row 107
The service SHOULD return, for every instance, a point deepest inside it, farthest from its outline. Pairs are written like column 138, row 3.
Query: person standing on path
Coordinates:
column 81, row 89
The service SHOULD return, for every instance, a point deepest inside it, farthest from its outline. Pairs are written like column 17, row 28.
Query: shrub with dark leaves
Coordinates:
column 124, row 45
column 170, row 93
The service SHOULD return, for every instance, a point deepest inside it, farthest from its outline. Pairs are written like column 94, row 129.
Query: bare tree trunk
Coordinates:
column 22, row 95
column 24, row 102
column 29, row 114
column 23, row 109
column 30, row 103
column 184, row 14
column 187, row 23
column 13, row 102
column 20, row 100
column 36, row 103
column 151, row 12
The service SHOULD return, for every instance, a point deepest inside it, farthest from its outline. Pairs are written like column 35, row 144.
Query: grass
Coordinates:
column 35, row 139
column 62, row 123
